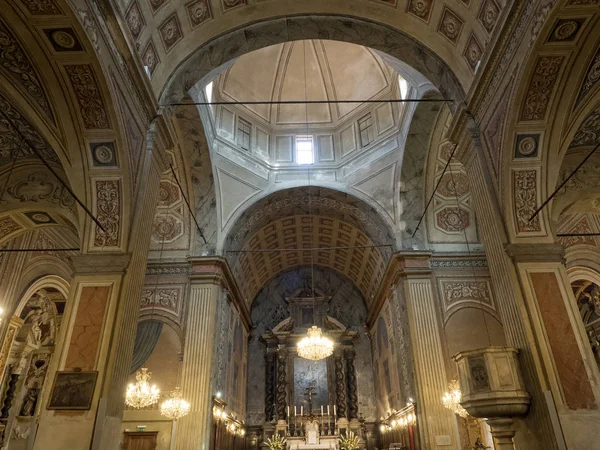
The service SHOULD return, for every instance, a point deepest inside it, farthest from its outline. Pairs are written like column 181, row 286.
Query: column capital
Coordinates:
column 536, row 252
column 100, row 263
column 215, row 270
column 403, row 264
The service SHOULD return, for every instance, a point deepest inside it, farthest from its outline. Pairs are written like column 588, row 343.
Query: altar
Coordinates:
column 326, row 443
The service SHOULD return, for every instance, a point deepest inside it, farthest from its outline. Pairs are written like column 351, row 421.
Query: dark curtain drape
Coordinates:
column 146, row 338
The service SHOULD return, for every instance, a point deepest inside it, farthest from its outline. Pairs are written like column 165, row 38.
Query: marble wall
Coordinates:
column 346, row 305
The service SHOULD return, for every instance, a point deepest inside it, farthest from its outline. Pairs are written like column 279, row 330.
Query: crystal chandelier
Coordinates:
column 451, row 400
column 141, row 394
column 315, row 346
column 175, row 407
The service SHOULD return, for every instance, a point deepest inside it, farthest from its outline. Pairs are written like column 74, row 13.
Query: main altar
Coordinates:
column 311, row 403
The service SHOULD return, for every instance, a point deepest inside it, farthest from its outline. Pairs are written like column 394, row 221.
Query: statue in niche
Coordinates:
column 28, row 408
column 592, row 298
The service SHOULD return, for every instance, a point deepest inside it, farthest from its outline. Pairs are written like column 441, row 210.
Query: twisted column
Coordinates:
column 281, row 384
column 352, row 385
column 269, row 385
column 340, row 385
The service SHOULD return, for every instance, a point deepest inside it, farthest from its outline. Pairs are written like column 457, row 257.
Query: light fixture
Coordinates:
column 315, row 346
column 141, row 394
column 452, row 399
column 175, row 407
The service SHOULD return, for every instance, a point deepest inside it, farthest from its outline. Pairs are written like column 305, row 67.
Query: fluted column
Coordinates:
column 193, row 430
column 508, row 295
column 281, row 383
column 437, row 424
column 340, row 385
column 352, row 385
column 269, row 385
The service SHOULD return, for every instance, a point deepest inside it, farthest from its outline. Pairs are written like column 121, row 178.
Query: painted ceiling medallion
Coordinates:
column 566, row 30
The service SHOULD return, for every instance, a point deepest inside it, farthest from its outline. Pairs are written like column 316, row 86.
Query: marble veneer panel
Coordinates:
column 85, row 338
column 567, row 356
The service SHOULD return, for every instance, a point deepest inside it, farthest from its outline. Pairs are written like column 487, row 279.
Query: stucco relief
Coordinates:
column 166, row 228
column 11, row 144
column 473, row 52
column 495, row 129
column 18, row 68
column 540, row 88
column 582, row 226
column 459, row 291
column 42, row 7
column 591, row 78
column 421, row 8
column 453, row 185
column 588, row 133
column 8, row 226
column 488, row 16
column 526, row 200
column 198, row 12
column 108, row 212
column 167, row 298
column 44, row 245
column 89, row 97
column 452, row 219
column 228, row 4
column 135, row 20
column 39, row 186
column 155, row 5
column 451, row 25
column 170, row 32
column 150, row 58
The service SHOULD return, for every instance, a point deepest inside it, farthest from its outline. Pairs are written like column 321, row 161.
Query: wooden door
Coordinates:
column 140, row 440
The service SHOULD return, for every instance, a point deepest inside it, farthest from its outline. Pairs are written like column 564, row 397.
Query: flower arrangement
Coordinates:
column 349, row 441
column 277, row 442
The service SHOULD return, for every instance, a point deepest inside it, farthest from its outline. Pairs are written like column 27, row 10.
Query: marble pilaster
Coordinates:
column 437, row 424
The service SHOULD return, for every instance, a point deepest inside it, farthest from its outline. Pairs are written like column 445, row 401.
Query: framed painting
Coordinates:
column 73, row 390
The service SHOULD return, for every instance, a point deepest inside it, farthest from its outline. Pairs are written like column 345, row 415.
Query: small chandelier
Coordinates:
column 314, row 346
column 141, row 394
column 451, row 400
column 175, row 407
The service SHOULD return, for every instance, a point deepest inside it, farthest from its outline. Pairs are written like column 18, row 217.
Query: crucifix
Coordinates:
column 309, row 393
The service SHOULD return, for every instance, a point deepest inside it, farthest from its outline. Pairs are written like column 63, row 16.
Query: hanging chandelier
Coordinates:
column 315, row 346
column 175, row 407
column 452, row 399
column 141, row 394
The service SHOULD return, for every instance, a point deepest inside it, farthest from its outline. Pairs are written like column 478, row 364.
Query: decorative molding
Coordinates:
column 170, row 32
column 566, row 30
column 452, row 219
column 108, row 212
column 536, row 252
column 494, row 130
column 541, row 86
column 103, row 154
column 164, row 298
column 198, row 12
column 167, row 228
column 87, row 91
column 18, row 67
column 451, row 25
column 580, row 227
column 150, row 57
column 592, row 76
column 526, row 200
column 488, row 15
column 40, row 218
column 39, row 186
column 588, row 133
column 135, row 20
column 11, row 142
column 63, row 39
column 230, row 4
column 527, row 145
column 155, row 5
column 459, row 293
column 8, row 226
column 473, row 52
column 42, row 7
column 420, row 9
column 104, row 263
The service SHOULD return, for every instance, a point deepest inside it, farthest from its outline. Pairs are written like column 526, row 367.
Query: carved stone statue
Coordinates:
column 28, row 408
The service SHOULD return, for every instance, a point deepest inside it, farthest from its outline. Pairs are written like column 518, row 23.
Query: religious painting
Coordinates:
column 73, row 390
column 307, row 317
column 310, row 374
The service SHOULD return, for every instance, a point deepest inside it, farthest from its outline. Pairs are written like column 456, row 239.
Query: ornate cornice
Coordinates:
column 536, row 252
column 105, row 263
column 402, row 264
column 216, row 270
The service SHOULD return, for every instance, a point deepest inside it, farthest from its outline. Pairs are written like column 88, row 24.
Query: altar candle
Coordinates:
column 321, row 410
column 301, row 410
column 334, row 410
column 327, row 410
column 295, row 411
